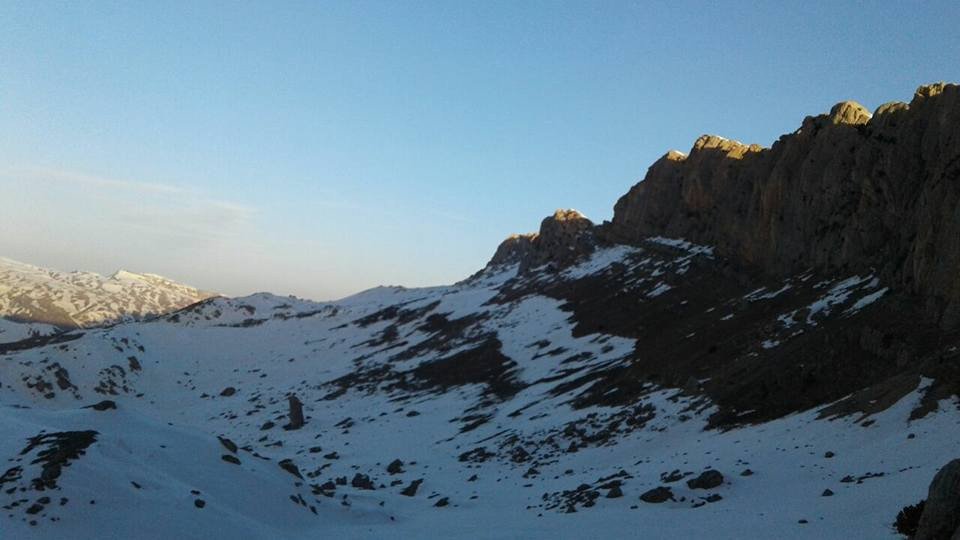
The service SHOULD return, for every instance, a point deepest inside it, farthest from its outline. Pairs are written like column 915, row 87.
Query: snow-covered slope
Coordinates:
column 11, row 331
column 81, row 299
column 509, row 405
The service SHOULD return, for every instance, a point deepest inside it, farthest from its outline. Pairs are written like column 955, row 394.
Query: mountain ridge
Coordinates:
column 77, row 299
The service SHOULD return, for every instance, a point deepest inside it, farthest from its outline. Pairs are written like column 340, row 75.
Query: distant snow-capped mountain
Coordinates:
column 82, row 299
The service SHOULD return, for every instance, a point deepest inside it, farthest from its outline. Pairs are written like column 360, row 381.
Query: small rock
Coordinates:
column 657, row 495
column 411, row 490
column 442, row 502
column 362, row 481
column 228, row 444
column 615, row 493
column 291, row 467
column 230, row 459
column 199, row 503
column 395, row 467
column 827, row 493
column 104, row 405
column 707, row 480
column 228, row 391
column 829, row 455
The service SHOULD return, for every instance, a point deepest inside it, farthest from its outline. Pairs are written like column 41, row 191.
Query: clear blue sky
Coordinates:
column 320, row 148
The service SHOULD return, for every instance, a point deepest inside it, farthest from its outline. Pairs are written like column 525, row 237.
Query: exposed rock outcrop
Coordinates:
column 847, row 191
column 295, row 414
column 564, row 237
column 941, row 512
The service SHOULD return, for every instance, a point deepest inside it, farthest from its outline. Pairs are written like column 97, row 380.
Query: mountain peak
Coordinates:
column 82, row 299
column 563, row 238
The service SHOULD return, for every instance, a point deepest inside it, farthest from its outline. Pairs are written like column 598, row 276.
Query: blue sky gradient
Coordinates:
column 320, row 148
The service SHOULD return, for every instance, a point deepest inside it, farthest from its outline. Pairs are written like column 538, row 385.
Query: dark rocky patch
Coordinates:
column 56, row 451
column 362, row 481
column 291, row 467
column 657, row 495
column 707, row 480
column 104, row 405
column 411, row 490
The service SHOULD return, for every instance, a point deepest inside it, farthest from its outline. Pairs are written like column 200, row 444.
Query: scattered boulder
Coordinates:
column 230, row 459
column 395, row 467
column 228, row 391
column 199, row 503
column 671, row 477
column 707, row 480
column 329, row 485
column 615, row 493
column 411, row 490
column 941, row 512
column 104, row 405
column 228, row 444
column 291, row 467
column 362, row 481
column 657, row 495
column 827, row 493
column 295, row 414
column 442, row 502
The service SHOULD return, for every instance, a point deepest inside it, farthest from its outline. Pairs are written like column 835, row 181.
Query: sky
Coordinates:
column 322, row 148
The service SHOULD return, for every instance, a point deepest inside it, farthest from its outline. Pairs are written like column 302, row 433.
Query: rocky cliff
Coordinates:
column 847, row 192
column 563, row 238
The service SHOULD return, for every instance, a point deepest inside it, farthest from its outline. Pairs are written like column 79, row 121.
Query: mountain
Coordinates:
column 664, row 375
column 31, row 294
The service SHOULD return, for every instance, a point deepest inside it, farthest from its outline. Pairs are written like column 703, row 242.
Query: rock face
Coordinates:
column 941, row 512
column 295, row 414
column 847, row 191
column 564, row 237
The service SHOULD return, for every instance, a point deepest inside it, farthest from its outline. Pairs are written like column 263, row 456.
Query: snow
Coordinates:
column 866, row 300
column 683, row 245
column 163, row 435
column 759, row 294
column 659, row 289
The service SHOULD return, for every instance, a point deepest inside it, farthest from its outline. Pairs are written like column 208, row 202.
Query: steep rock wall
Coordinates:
column 848, row 191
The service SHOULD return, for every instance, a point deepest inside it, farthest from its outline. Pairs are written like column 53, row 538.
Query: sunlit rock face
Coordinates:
column 564, row 237
column 848, row 190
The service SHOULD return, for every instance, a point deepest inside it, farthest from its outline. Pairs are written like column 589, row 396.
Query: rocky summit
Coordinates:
column 762, row 343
